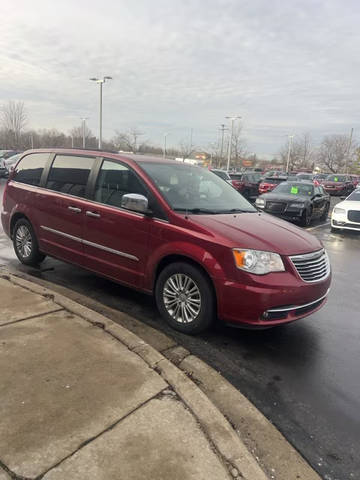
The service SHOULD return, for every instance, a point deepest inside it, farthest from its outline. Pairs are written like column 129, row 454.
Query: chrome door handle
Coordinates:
column 75, row 209
column 92, row 214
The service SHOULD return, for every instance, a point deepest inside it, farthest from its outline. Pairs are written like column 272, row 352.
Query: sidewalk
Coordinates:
column 82, row 398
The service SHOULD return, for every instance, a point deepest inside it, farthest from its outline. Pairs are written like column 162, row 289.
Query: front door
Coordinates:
column 115, row 240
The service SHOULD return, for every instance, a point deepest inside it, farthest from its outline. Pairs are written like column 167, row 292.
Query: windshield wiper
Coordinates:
column 196, row 210
column 237, row 210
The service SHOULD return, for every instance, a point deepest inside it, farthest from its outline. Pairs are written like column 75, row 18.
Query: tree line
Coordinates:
column 336, row 153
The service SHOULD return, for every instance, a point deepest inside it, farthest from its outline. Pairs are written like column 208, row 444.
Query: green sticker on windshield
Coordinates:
column 336, row 179
column 294, row 190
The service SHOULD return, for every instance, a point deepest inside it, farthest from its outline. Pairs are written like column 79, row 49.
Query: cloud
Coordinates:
column 181, row 64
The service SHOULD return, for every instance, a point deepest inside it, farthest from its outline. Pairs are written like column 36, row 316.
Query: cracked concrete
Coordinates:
column 159, row 441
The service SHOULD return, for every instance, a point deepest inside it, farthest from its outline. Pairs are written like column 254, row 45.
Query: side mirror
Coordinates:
column 135, row 202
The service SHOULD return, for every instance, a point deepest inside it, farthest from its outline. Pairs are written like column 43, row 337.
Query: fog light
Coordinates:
column 265, row 315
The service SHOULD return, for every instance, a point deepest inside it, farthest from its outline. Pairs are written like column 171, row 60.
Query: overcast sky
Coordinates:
column 285, row 67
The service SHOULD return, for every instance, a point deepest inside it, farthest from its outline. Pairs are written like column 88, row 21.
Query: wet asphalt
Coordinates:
column 305, row 377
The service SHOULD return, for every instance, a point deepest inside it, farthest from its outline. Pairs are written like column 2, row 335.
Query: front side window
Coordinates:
column 30, row 168
column 195, row 189
column 114, row 181
column 69, row 174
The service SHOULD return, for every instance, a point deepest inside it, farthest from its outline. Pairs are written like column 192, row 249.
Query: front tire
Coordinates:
column 325, row 214
column 306, row 218
column 25, row 243
column 185, row 298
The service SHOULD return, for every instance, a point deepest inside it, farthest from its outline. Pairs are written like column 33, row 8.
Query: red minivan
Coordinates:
column 168, row 228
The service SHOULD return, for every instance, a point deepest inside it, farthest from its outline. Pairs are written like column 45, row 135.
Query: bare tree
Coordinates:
column 130, row 141
column 238, row 150
column 76, row 134
column 186, row 149
column 335, row 151
column 13, row 119
column 302, row 153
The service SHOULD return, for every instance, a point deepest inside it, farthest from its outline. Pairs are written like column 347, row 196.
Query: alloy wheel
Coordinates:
column 23, row 241
column 182, row 298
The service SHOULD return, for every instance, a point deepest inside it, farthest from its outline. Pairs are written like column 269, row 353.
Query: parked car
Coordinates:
column 246, row 183
column 320, row 177
column 11, row 162
column 269, row 183
column 305, row 176
column 222, row 174
column 355, row 180
column 346, row 214
column 165, row 228
column 338, row 185
column 297, row 201
column 4, row 156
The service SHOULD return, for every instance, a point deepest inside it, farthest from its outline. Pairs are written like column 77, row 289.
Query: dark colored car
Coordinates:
column 305, row 176
column 341, row 185
column 222, row 174
column 299, row 201
column 269, row 183
column 246, row 183
column 165, row 228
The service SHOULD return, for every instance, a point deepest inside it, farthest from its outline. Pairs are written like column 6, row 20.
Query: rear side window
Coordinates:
column 30, row 168
column 69, row 174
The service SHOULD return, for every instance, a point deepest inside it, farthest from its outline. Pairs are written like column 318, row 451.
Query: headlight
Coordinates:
column 297, row 205
column 339, row 210
column 258, row 262
column 260, row 202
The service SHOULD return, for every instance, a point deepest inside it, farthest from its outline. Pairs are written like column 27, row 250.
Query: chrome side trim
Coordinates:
column 110, row 250
column 63, row 234
column 91, row 244
column 298, row 307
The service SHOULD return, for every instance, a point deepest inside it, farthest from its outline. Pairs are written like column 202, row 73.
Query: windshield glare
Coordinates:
column 300, row 189
column 187, row 187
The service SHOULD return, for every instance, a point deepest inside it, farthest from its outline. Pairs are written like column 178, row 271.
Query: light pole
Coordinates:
column 164, row 149
column 100, row 81
column 83, row 122
column 222, row 129
column 232, row 118
column 289, row 152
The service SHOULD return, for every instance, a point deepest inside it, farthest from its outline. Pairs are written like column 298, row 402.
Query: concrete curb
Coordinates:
column 277, row 457
column 222, row 436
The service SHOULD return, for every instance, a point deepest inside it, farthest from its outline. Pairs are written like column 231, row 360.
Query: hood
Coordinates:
column 349, row 205
column 258, row 231
column 285, row 197
column 327, row 182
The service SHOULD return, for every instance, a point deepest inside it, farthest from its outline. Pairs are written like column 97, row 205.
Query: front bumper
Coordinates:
column 340, row 220
column 276, row 299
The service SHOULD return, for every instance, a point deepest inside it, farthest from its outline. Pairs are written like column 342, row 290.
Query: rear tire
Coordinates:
column 25, row 243
column 185, row 298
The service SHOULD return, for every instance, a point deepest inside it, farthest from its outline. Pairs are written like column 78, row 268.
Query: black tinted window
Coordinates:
column 114, row 181
column 69, row 174
column 30, row 168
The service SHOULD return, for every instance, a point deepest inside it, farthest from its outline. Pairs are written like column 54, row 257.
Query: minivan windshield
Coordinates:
column 195, row 190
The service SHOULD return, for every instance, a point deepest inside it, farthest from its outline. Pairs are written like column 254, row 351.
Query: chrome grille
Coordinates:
column 312, row 267
column 354, row 216
column 275, row 207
